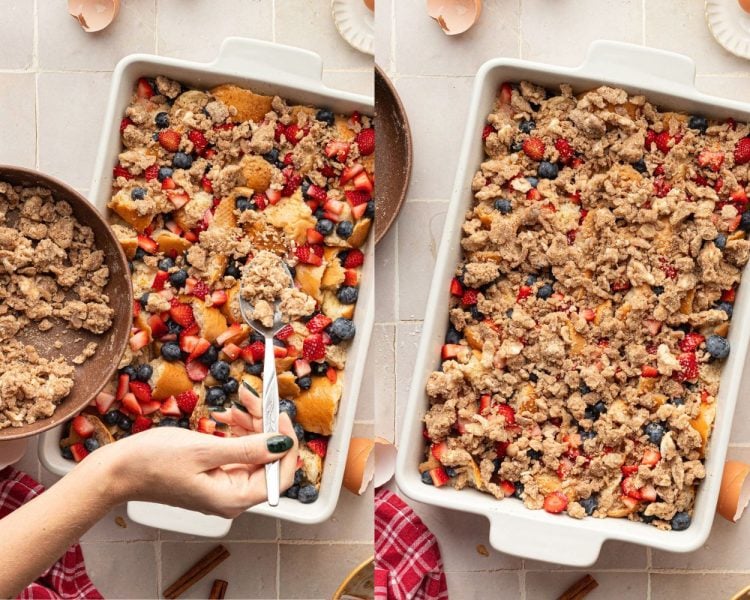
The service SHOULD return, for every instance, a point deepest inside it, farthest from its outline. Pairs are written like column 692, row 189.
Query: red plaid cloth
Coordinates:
column 67, row 578
column 407, row 558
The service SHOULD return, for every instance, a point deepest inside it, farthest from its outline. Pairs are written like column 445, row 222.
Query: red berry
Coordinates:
column 319, row 446
column 124, row 124
column 152, row 172
column 662, row 142
column 141, row 423
column 555, row 502
column 201, row 290
column 488, row 129
column 565, row 150
column 318, row 323
column 313, row 347
column 141, row 390
column 366, row 141
column 691, row 341
column 187, row 401
column 354, row 259
column 534, row 148
column 742, row 151
column 469, row 298
column 169, row 139
column 199, row 140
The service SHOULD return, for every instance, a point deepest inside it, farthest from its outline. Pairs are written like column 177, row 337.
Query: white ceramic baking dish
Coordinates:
column 272, row 69
column 668, row 80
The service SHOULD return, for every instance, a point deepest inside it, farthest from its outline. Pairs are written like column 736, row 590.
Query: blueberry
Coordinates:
column 640, row 165
column 155, row 136
column 288, row 407
column 325, row 115
column 680, row 521
column 184, row 423
column 370, row 210
column 509, row 313
column 182, row 160
column 299, row 476
column 476, row 314
column 243, row 203
column 254, row 369
column 590, row 413
column 345, row 229
column 533, row 377
column 91, row 444
column 272, row 156
column 588, row 435
column 166, row 263
column 343, row 329
column 496, row 462
column 545, row 291
column 534, row 106
column 144, row 372
column 129, row 371
column 112, row 417
column 168, row 422
column 178, row 278
column 347, row 294
column 215, row 396
column 531, row 280
column 174, row 327
column 144, row 299
column 164, row 173
column 584, row 389
column 677, row 401
column 319, row 369
column 699, row 123
column 304, row 187
column 232, row 270
column 256, row 337
column 727, row 307
column 533, row 181
column 220, row 370
column 66, row 452
column 504, row 206
column 125, row 423
column 720, row 241
column 138, row 193
column 658, row 290
column 450, row 472
column 534, row 454
column 171, row 351
column 600, row 407
column 324, row 227
column 304, row 382
column 717, row 346
column 299, row 432
column 516, row 147
column 426, row 479
column 452, row 336
column 230, row 386
column 527, row 125
column 162, row 120
column 646, row 518
column 547, row 170
column 745, row 221
column 519, row 489
column 589, row 504
column 654, row 431
column 292, row 492
column 292, row 271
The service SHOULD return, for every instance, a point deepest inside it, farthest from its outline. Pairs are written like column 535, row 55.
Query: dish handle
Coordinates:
column 637, row 65
column 267, row 60
column 189, row 522
column 538, row 539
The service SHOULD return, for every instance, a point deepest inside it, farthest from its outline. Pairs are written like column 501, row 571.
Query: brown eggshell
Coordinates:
column 370, row 4
column 734, row 493
column 385, row 461
column 454, row 16
column 359, row 465
column 94, row 15
column 745, row 5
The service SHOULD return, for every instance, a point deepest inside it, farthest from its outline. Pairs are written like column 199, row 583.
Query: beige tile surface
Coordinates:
column 116, row 527
column 123, row 570
column 380, row 380
column 246, row 527
column 622, row 586
column 477, row 585
column 696, row 586
column 17, row 34
column 407, row 342
column 614, row 555
column 18, row 119
column 352, row 522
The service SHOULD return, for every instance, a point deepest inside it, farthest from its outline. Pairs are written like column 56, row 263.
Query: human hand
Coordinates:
column 210, row 474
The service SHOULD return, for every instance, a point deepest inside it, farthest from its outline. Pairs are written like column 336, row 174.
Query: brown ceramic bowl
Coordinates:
column 392, row 166
column 91, row 376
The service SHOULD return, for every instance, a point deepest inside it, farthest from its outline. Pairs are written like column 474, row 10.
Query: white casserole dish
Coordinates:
column 265, row 68
column 668, row 81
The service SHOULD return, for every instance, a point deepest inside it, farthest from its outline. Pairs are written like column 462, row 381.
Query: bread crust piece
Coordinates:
column 127, row 211
column 257, row 172
column 211, row 321
column 317, row 407
column 292, row 216
column 248, row 105
column 169, row 242
column 168, row 379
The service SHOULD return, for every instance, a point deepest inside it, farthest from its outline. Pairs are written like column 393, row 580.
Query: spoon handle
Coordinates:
column 271, row 418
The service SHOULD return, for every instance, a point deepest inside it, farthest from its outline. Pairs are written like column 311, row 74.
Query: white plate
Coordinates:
column 730, row 25
column 356, row 24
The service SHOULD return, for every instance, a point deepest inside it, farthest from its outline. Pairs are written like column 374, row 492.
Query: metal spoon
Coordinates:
column 270, row 383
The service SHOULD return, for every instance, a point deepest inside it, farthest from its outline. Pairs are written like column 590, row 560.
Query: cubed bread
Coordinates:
column 210, row 320
column 317, row 407
column 168, row 379
column 309, row 278
column 257, row 172
column 170, row 242
column 127, row 210
column 292, row 216
column 359, row 235
column 312, row 465
column 288, row 387
column 192, row 213
column 334, row 309
column 248, row 105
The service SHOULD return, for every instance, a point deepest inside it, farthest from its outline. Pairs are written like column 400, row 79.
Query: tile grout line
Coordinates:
column 35, row 67
column 156, row 27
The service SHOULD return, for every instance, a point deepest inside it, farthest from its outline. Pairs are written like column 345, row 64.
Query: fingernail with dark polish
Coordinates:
column 239, row 406
column 279, row 443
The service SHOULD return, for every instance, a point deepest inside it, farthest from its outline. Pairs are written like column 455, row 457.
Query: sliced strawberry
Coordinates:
column 122, row 386
column 363, row 183
column 588, row 314
column 555, row 502
column 437, row 450
column 273, row 196
column 169, row 139
column 188, row 342
column 178, row 197
column 662, row 141
column 357, row 198
column 208, row 187
column 485, row 403
column 505, row 94
column 152, row 172
column 78, row 451
column 523, row 292
column 199, row 140
column 728, row 295
column 647, row 493
column 186, row 401
column 254, row 352
column 469, row 298
column 280, row 352
column 338, row 150
column 147, row 244
column 439, row 476
column 196, row 370
column 232, row 351
column 314, row 236
column 313, row 347
column 131, row 405
column 285, row 332
column 712, row 160
column 653, row 326
column 234, row 330
column 170, row 407
column 355, row 258
column 124, row 123
column 366, row 141
column 629, row 489
column 630, row 503
column 508, row 488
column 691, row 342
column 158, row 327
column 319, row 446
column 306, row 255
column 351, row 278
column 318, row 323
column 742, row 151
column 139, row 340
column 159, row 280
column 332, row 375
column 534, row 148
column 689, row 364
column 206, row 425
column 141, row 423
column 507, row 413
column 450, row 351
column 620, row 286
column 351, row 172
column 294, row 133
column 565, row 150
column 144, row 89
column 141, row 390
column 120, row 171
column 200, row 348
column 629, row 469
column 651, row 457
column 219, row 297
column 82, row 426
column 182, row 314
column 487, row 130
column 104, row 401
column 168, row 183
column 649, row 371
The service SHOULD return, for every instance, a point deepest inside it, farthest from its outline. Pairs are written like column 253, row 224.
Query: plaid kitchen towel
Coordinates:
column 407, row 558
column 67, row 578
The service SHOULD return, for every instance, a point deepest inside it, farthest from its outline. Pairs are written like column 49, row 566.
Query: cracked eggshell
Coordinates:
column 734, row 493
column 360, row 465
column 94, row 15
column 454, row 16
column 385, row 461
column 370, row 4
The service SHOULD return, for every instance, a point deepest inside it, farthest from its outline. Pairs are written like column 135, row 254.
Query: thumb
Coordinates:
column 255, row 449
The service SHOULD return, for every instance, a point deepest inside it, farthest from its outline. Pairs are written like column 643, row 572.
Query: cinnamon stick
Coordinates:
column 218, row 590
column 202, row 567
column 580, row 589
